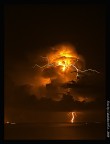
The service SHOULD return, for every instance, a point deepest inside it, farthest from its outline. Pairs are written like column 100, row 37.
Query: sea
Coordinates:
column 55, row 131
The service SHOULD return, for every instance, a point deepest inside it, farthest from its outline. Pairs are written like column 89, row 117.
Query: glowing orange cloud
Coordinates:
column 63, row 64
column 64, row 59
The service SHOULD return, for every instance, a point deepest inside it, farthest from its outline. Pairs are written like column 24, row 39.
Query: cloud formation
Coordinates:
column 52, row 88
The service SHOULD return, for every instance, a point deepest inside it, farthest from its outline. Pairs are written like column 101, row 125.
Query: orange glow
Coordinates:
column 45, row 81
column 62, row 65
column 64, row 58
column 66, row 62
column 81, row 99
column 84, row 99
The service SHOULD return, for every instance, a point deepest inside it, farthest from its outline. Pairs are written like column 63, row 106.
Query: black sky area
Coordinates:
column 33, row 29
column 36, row 28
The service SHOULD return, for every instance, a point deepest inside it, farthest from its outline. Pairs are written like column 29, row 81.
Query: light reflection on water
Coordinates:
column 60, row 129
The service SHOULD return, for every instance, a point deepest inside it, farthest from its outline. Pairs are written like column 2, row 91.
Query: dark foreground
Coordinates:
column 55, row 131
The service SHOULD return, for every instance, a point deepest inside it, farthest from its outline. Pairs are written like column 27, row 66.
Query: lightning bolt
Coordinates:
column 73, row 116
column 45, row 66
column 82, row 71
column 65, row 66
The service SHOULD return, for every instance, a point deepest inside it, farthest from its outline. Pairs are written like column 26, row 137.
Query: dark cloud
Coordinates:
column 50, row 96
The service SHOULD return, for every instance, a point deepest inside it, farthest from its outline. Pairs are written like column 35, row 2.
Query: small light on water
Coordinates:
column 7, row 122
column 13, row 123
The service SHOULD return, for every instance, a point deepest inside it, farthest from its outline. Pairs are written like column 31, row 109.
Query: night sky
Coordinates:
column 31, row 31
